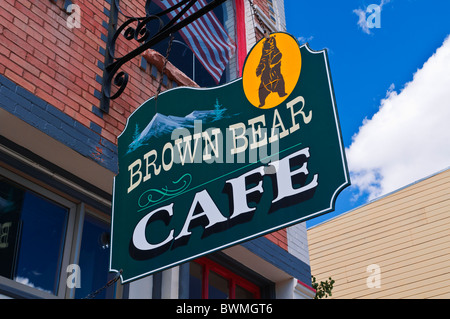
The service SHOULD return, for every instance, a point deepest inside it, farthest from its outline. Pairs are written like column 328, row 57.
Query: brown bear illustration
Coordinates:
column 269, row 69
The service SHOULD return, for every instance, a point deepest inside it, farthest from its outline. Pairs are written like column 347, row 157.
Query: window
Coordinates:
column 94, row 257
column 209, row 280
column 182, row 56
column 41, row 234
column 271, row 11
column 32, row 237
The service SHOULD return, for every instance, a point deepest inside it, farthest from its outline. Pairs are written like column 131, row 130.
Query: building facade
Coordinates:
column 397, row 246
column 58, row 154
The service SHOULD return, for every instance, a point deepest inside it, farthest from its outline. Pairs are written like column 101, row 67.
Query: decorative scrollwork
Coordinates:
column 137, row 29
column 154, row 196
column 121, row 81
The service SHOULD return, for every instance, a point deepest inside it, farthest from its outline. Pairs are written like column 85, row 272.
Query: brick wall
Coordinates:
column 64, row 66
column 57, row 64
column 279, row 238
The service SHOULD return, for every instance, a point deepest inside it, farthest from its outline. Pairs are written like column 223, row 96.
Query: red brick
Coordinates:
column 19, row 24
column 38, row 64
column 119, row 117
column 32, row 43
column 40, row 8
column 77, row 52
column 6, row 15
column 49, row 31
column 11, row 2
column 19, row 80
column 82, row 119
column 4, row 51
column 66, row 82
column 53, row 83
column 60, row 53
column 63, row 98
column 91, row 116
column 40, row 56
column 14, row 11
column 279, row 238
column 10, row 35
column 21, row 6
column 16, row 68
column 71, row 75
column 36, row 31
column 113, row 129
column 49, row 99
column 25, row 3
column 110, row 121
column 63, row 35
column 77, row 98
column 40, row 84
column 89, row 97
column 16, row 44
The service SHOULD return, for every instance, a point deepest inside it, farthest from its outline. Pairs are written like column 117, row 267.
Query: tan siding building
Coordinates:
column 397, row 246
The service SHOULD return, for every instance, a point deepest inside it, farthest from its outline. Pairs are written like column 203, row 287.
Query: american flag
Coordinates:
column 205, row 36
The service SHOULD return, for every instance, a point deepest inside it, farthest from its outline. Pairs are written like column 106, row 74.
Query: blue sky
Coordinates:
column 390, row 85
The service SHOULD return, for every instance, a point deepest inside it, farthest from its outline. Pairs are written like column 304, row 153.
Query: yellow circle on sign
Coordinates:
column 272, row 70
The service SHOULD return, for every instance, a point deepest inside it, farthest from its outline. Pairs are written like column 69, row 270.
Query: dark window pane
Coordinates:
column 35, row 237
column 218, row 286
column 195, row 281
column 241, row 293
column 94, row 257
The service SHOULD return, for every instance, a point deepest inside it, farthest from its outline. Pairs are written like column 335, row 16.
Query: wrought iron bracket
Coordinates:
column 136, row 29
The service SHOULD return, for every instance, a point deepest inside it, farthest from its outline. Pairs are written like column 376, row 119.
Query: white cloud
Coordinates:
column 409, row 137
column 26, row 281
column 362, row 15
column 362, row 20
column 302, row 40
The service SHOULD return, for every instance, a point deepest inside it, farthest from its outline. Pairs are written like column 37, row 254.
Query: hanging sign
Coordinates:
column 204, row 169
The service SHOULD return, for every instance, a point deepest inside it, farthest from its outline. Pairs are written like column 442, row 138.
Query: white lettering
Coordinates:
column 167, row 146
column 156, row 170
column 240, row 192
column 242, row 148
column 258, row 141
column 187, row 148
column 202, row 205
column 285, row 185
column 137, row 172
column 290, row 105
column 275, row 125
column 207, row 155
column 139, row 239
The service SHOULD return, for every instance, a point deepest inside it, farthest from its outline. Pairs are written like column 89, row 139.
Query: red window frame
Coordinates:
column 233, row 279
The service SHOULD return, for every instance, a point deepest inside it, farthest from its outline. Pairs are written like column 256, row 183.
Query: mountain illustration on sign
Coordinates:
column 161, row 124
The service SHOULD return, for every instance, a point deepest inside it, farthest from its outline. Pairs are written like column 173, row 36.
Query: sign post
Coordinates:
column 211, row 168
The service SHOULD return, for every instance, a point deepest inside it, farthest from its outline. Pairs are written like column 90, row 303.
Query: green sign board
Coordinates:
column 204, row 169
